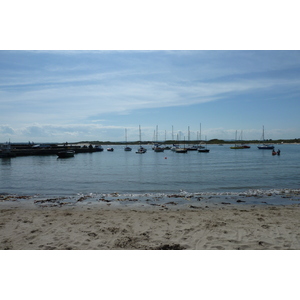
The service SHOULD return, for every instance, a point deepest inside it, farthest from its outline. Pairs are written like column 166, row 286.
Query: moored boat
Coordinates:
column 66, row 154
column 98, row 148
column 141, row 150
column 5, row 151
column 236, row 146
column 192, row 148
column 203, row 148
column 181, row 150
column 158, row 148
column 265, row 146
column 174, row 147
column 127, row 148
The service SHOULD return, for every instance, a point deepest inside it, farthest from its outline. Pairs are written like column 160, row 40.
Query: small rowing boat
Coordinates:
column 66, row 154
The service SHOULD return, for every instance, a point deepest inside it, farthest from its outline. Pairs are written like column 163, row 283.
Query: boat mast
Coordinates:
column 172, row 133
column 140, row 134
column 200, row 132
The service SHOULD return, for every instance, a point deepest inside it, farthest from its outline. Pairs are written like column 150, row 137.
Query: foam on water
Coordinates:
column 165, row 200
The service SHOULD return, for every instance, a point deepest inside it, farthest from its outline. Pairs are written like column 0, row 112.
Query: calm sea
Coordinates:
column 221, row 170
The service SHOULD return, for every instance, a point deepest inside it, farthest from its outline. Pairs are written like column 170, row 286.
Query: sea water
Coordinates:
column 221, row 171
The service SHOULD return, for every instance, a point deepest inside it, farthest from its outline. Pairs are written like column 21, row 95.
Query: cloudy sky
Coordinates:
column 59, row 96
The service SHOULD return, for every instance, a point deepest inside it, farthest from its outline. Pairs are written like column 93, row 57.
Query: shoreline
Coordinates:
column 182, row 199
column 99, row 226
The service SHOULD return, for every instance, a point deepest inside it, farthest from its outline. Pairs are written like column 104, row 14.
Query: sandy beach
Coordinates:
column 105, row 228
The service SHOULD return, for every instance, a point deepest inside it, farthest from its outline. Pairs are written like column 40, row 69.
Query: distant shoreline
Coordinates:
column 168, row 142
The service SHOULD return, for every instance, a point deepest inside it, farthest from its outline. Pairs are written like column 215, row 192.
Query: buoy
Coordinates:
column 165, row 157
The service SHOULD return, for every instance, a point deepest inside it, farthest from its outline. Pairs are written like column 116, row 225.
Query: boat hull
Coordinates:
column 181, row 150
column 66, row 154
column 203, row 150
column 266, row 147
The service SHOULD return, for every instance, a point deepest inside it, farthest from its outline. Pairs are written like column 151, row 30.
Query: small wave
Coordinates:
column 252, row 196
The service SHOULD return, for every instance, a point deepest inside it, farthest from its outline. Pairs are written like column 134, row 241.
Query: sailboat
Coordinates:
column 127, row 148
column 244, row 145
column 181, row 150
column 193, row 147
column 157, row 147
column 141, row 149
column 265, row 146
column 237, row 146
column 200, row 146
column 203, row 148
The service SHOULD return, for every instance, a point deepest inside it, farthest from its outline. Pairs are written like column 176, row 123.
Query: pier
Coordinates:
column 49, row 149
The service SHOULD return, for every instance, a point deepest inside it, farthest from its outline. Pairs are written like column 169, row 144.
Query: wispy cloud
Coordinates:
column 65, row 88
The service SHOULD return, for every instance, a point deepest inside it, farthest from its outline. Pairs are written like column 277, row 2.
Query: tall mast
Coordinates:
column 140, row 133
column 172, row 133
column 200, row 132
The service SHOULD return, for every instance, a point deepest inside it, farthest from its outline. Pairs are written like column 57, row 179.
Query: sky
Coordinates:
column 59, row 96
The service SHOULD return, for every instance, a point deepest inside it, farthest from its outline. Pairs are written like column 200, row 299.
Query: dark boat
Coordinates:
column 192, row 148
column 141, row 150
column 158, row 148
column 127, row 148
column 203, row 148
column 98, row 148
column 265, row 146
column 66, row 154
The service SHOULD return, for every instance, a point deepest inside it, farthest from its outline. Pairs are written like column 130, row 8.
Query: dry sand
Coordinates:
column 101, row 228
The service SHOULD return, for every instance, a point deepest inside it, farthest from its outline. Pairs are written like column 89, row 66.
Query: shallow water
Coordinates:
column 222, row 170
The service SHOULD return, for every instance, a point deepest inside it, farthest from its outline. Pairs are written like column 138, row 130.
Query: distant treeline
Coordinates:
column 213, row 141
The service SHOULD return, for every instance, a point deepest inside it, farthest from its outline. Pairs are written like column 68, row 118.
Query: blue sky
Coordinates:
column 58, row 96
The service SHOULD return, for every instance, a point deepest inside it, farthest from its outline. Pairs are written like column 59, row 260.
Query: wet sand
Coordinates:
column 104, row 228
